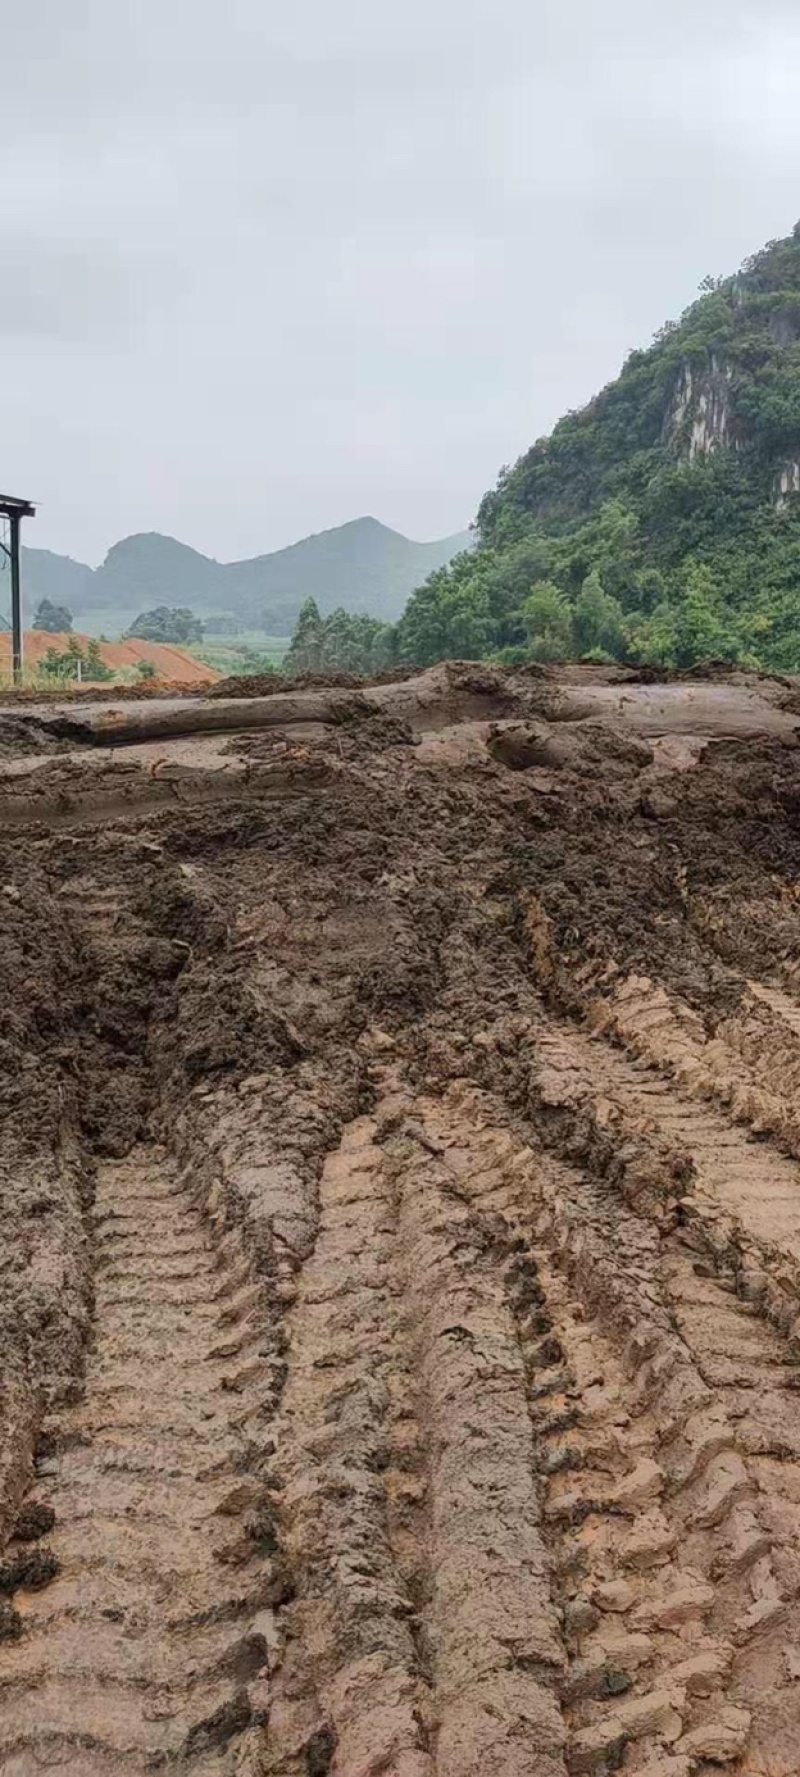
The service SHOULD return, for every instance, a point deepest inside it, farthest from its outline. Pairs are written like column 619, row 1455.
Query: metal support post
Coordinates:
column 16, row 605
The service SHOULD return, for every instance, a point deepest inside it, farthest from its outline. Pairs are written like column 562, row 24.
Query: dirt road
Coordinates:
column 400, row 1271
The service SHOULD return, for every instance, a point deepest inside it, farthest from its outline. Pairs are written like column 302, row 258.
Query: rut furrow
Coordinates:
column 422, row 1638
column 707, row 1126
column 750, row 1066
column 706, row 1161
column 495, row 1652
column 668, row 1443
column 138, row 1634
column 350, row 1684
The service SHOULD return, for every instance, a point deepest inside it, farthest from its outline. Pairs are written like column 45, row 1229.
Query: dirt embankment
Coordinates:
column 169, row 663
column 746, row 706
column 459, row 1302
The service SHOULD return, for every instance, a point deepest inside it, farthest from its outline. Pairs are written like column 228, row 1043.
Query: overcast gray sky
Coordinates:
column 268, row 266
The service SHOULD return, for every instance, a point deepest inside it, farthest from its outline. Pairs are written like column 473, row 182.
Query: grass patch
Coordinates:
column 251, row 652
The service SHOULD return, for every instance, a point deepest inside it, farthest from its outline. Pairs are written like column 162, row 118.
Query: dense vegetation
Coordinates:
column 661, row 523
column 78, row 660
column 54, row 620
column 178, row 625
column 340, row 642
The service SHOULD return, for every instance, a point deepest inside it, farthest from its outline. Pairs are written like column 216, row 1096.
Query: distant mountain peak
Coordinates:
column 149, row 541
column 363, row 565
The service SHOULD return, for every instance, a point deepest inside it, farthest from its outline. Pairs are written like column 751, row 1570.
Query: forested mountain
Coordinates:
column 362, row 566
column 54, row 577
column 662, row 522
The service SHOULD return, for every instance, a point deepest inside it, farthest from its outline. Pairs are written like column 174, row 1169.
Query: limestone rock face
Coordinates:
column 700, row 418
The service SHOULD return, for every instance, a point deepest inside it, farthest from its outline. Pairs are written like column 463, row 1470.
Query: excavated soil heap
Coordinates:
column 400, row 1254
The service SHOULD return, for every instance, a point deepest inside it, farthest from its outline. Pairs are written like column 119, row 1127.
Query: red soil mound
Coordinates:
column 171, row 663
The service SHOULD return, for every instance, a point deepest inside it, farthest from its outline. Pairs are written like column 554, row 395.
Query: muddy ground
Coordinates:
column 400, row 1255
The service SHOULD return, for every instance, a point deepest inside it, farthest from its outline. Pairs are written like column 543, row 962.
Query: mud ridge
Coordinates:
column 147, row 1635
column 669, row 1445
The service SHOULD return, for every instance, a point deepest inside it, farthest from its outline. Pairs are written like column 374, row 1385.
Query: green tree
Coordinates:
column 598, row 624
column 67, row 663
column 251, row 660
column 58, row 664
column 470, row 631
column 304, row 654
column 507, row 580
column 95, row 665
column 339, row 642
column 548, row 622
column 423, row 627
column 221, row 624
column 697, row 627
column 705, row 631
column 449, row 616
column 654, row 637
column 56, row 620
column 383, row 648
column 617, row 550
column 164, row 624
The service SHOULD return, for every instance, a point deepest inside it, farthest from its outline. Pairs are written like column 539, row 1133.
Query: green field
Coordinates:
column 251, row 652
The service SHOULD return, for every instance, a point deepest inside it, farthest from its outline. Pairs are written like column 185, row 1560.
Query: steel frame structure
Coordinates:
column 15, row 510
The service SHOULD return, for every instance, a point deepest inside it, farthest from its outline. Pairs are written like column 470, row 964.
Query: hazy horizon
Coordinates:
column 29, row 541
column 259, row 281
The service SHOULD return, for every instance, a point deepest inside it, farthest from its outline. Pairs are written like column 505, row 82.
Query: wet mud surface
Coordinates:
column 400, row 1256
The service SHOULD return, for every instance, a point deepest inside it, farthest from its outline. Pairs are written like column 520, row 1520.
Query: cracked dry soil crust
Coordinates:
column 400, row 1268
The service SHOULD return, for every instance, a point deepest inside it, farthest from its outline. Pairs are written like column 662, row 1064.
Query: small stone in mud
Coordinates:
column 643, row 1484
column 557, row 1462
column 598, row 1748
column 580, row 1616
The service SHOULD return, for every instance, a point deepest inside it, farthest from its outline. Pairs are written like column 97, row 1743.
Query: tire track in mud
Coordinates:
column 712, row 1117
column 350, row 1681
column 540, row 1463
column 667, row 1425
column 713, row 1171
column 528, row 1392
column 750, row 1066
column 423, row 1638
column 542, row 1474
column 138, row 1636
